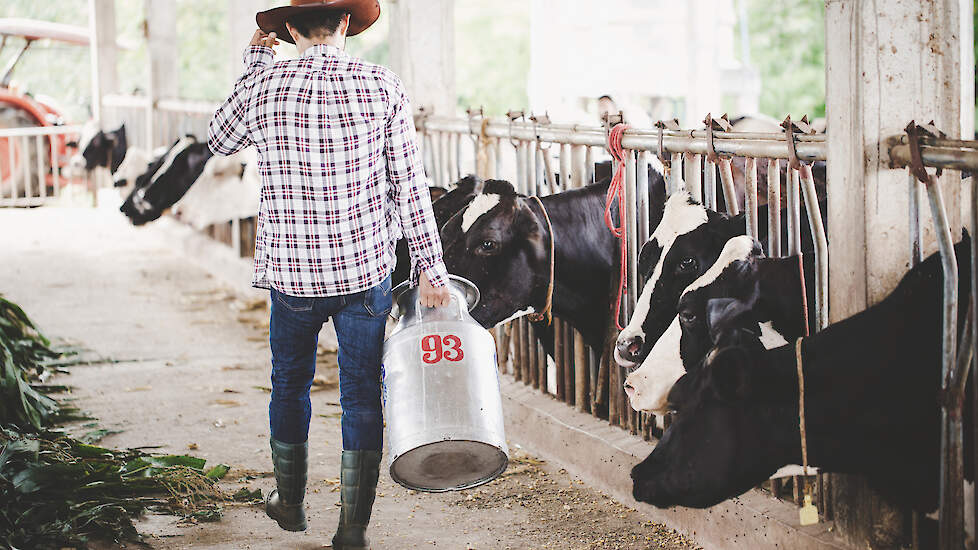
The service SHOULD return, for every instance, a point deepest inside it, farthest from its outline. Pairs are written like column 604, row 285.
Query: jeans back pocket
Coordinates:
column 377, row 300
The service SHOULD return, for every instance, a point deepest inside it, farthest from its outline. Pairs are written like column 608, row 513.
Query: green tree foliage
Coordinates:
column 787, row 42
column 59, row 71
column 492, row 55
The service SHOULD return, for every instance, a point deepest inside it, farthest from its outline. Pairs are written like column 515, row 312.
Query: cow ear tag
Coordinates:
column 808, row 515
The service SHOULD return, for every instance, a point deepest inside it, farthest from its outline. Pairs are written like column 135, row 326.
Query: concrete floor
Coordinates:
column 190, row 365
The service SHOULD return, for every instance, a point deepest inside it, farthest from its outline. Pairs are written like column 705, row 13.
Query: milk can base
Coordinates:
column 449, row 466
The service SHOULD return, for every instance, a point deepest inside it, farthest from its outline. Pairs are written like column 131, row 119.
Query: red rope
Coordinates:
column 616, row 191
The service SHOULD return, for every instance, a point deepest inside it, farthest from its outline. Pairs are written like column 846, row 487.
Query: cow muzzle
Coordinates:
column 628, row 351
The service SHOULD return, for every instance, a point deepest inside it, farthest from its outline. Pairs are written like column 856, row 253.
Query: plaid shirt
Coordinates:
column 340, row 169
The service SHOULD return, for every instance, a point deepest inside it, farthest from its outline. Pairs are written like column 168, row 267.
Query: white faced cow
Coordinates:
column 872, row 395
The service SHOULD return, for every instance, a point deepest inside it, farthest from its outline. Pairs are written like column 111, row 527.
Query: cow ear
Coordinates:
column 719, row 314
column 729, row 372
column 499, row 187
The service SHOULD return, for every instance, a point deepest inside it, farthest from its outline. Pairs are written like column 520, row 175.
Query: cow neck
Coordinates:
column 583, row 258
column 782, row 304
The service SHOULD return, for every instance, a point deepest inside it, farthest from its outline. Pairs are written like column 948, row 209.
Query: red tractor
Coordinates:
column 20, row 110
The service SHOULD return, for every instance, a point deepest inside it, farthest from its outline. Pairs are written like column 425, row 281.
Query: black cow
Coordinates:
column 166, row 180
column 872, row 394
column 106, row 149
column 740, row 272
column 684, row 245
column 501, row 242
column 444, row 204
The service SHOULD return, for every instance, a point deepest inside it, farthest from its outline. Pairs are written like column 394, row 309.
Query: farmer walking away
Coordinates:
column 341, row 182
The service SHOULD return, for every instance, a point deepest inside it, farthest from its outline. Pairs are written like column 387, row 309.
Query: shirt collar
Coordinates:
column 324, row 50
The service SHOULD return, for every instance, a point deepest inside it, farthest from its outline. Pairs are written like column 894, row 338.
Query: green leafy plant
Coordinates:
column 56, row 491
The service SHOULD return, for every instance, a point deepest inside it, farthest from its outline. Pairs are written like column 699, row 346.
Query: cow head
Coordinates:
column 166, row 181
column 684, row 343
column 685, row 244
column 719, row 444
column 106, row 149
column 501, row 244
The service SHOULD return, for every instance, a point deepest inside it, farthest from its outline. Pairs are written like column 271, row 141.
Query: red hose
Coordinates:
column 616, row 191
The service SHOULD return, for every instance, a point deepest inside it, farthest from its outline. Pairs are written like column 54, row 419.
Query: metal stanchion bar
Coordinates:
column 589, row 166
column 750, row 195
column 774, row 208
column 692, row 168
column 675, row 172
column 630, row 217
column 951, row 512
column 565, row 167
column 580, row 372
column 729, row 190
column 642, row 192
column 814, row 211
column 710, row 185
column 794, row 213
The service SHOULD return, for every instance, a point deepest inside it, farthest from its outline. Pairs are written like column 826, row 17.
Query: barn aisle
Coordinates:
column 185, row 367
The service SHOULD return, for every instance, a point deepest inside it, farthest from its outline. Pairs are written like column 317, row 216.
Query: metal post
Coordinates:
column 580, row 371
column 750, row 195
column 628, row 215
column 642, row 190
column 520, row 166
column 774, row 208
column 565, row 167
column 692, row 164
column 675, row 172
column 916, row 251
column 821, row 246
column 589, row 167
column 710, row 186
column 951, row 532
column 794, row 213
column 729, row 190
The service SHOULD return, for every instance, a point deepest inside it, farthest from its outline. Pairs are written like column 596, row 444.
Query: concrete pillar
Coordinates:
column 887, row 62
column 703, row 94
column 242, row 25
column 422, row 51
column 101, row 23
column 161, row 40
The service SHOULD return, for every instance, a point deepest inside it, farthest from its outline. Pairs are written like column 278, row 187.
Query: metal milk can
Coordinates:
column 441, row 394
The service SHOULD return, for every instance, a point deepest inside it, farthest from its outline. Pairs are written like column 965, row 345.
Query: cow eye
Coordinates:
column 686, row 317
column 686, row 266
column 488, row 247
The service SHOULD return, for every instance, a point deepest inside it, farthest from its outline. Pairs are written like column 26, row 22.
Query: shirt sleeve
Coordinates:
column 405, row 173
column 227, row 133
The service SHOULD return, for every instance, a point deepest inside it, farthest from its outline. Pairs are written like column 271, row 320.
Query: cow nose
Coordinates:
column 629, row 348
column 629, row 390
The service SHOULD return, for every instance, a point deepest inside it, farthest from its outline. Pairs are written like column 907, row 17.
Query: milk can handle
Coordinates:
column 421, row 308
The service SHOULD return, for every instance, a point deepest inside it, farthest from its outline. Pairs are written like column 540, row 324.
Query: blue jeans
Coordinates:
column 359, row 320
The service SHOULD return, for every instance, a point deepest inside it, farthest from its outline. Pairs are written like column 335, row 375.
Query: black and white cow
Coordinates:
column 686, row 243
column 872, row 395
column 444, row 205
column 111, row 150
column 501, row 242
column 166, row 180
column 739, row 274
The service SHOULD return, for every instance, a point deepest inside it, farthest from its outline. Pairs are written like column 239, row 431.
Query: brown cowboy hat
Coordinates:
column 363, row 13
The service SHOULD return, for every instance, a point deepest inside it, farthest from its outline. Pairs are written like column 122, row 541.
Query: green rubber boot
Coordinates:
column 358, row 487
column 284, row 504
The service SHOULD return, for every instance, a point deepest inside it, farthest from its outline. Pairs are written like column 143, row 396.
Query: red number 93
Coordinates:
column 434, row 348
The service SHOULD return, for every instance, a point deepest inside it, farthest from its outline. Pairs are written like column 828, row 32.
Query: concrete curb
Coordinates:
column 586, row 447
